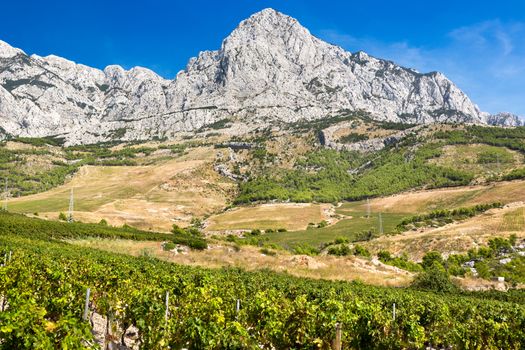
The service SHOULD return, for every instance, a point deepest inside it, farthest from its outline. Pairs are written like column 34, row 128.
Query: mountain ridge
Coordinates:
column 269, row 69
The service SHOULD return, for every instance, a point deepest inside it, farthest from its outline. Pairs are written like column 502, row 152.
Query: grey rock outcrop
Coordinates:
column 269, row 69
column 505, row 119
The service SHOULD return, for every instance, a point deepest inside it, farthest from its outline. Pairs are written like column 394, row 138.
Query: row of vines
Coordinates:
column 43, row 287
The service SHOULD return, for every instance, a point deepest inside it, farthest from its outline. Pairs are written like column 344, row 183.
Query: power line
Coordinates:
column 70, row 211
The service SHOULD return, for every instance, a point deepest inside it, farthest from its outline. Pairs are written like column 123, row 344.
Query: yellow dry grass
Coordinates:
column 465, row 157
column 423, row 201
column 148, row 197
column 291, row 216
column 457, row 237
column 250, row 258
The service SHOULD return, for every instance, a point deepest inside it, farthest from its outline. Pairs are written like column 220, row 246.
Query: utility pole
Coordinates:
column 380, row 224
column 368, row 211
column 70, row 211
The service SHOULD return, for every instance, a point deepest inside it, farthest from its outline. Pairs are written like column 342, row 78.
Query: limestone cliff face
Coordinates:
column 270, row 68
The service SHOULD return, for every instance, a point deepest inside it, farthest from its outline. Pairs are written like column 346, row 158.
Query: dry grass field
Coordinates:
column 151, row 197
column 291, row 216
column 467, row 158
column 250, row 258
column 412, row 203
column 456, row 237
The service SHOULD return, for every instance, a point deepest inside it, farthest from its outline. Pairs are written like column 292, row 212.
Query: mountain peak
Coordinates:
column 267, row 22
column 7, row 50
column 269, row 69
column 269, row 14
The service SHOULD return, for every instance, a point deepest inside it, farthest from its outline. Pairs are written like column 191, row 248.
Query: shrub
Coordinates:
column 384, row 256
column 177, row 230
column 322, row 224
column 432, row 258
column 305, row 249
column 340, row 250
column 62, row 217
column 434, row 278
column 197, row 244
column 196, row 222
column 169, row 246
column 361, row 251
column 255, row 232
column 268, row 252
column 341, row 240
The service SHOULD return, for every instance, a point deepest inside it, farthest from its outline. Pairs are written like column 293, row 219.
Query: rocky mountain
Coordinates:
column 505, row 119
column 270, row 68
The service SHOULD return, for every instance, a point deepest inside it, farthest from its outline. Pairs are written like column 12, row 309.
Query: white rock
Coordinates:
column 270, row 68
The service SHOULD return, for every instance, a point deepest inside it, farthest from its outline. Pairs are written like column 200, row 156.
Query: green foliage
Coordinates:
column 515, row 174
column 267, row 251
column 353, row 137
column 62, row 217
column 190, row 236
column 502, row 137
column 497, row 155
column 40, row 141
column 305, row 249
column 487, row 261
column 402, row 262
column 45, row 284
column 196, row 222
column 255, row 232
column 432, row 258
column 339, row 250
column 445, row 216
column 434, row 278
column 324, row 175
column 167, row 246
column 359, row 250
column 46, row 229
column 322, row 224
column 396, row 126
column 219, row 124
column 341, row 240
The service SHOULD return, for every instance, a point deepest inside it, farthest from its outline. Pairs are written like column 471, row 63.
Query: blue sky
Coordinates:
column 480, row 44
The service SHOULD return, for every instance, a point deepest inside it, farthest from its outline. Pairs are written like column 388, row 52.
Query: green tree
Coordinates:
column 434, row 278
column 432, row 257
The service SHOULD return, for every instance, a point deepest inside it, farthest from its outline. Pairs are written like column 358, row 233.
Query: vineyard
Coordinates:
column 43, row 285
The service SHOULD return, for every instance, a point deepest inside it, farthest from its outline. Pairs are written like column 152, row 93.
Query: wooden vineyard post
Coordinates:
column 237, row 308
column 394, row 311
column 86, row 305
column 336, row 344
column 166, row 315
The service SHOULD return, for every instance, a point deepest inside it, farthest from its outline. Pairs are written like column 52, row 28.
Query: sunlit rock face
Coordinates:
column 270, row 68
